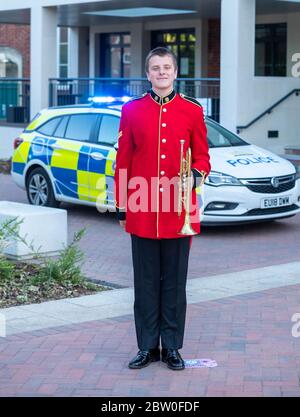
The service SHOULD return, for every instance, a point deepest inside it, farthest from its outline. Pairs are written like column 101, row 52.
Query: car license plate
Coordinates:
column 275, row 201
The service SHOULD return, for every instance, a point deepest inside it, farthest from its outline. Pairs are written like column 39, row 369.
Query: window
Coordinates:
column 109, row 129
column 60, row 130
column 49, row 127
column 11, row 63
column 219, row 137
column 271, row 49
column 182, row 43
column 80, row 126
column 115, row 55
column 63, row 36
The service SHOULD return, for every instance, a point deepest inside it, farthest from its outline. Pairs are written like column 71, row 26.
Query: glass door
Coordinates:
column 182, row 43
column 115, row 61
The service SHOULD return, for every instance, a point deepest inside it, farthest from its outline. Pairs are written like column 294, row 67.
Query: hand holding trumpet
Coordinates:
column 185, row 187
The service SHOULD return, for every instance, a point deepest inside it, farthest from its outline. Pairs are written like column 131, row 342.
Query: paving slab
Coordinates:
column 248, row 335
column 119, row 302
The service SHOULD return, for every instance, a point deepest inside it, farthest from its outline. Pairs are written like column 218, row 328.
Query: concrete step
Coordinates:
column 295, row 159
column 292, row 150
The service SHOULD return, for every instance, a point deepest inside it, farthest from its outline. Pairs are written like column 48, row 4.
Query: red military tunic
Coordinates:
column 148, row 163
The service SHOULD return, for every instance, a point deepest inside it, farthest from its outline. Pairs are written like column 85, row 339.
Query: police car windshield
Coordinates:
column 219, row 137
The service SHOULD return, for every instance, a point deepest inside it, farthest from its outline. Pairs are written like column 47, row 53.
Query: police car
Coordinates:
column 67, row 154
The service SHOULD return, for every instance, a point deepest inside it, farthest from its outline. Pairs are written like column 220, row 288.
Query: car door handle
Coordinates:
column 56, row 146
column 97, row 155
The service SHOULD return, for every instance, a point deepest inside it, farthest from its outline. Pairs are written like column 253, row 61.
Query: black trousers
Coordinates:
column 160, row 273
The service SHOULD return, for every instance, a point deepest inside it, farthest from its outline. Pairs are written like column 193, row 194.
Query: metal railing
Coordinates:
column 14, row 100
column 269, row 110
column 69, row 91
column 15, row 93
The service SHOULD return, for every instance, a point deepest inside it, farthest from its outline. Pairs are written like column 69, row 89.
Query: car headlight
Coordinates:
column 297, row 167
column 217, row 179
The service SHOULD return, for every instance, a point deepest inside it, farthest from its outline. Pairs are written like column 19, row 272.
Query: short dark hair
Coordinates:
column 160, row 51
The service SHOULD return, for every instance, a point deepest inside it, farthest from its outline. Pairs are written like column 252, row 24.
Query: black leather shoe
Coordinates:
column 173, row 359
column 144, row 358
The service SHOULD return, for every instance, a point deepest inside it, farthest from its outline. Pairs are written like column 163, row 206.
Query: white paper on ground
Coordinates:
column 200, row 363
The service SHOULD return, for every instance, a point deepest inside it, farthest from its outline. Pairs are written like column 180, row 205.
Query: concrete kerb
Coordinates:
column 119, row 302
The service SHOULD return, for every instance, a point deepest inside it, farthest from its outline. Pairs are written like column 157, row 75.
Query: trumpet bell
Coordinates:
column 187, row 230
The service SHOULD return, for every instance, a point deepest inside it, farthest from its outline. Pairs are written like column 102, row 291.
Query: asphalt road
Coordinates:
column 215, row 251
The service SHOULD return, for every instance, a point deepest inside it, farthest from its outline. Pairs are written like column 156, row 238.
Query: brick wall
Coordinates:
column 17, row 37
column 214, row 40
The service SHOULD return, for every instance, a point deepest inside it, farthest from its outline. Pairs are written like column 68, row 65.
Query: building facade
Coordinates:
column 250, row 48
column 14, row 51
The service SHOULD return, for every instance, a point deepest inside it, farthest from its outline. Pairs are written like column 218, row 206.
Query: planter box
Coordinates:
column 43, row 227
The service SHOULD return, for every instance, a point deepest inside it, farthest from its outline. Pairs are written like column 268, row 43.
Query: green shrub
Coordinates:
column 46, row 279
column 67, row 268
column 8, row 230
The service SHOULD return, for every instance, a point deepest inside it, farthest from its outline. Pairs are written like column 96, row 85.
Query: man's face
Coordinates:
column 161, row 72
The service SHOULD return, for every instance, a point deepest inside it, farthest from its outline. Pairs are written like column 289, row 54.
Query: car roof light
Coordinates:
column 108, row 100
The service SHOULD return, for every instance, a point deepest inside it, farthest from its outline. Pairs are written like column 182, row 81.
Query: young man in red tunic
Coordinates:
column 152, row 200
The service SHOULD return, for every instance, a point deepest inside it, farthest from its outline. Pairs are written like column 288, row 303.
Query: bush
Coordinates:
column 48, row 279
column 67, row 269
column 8, row 229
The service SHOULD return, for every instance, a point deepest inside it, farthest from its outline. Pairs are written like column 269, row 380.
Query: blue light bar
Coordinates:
column 109, row 99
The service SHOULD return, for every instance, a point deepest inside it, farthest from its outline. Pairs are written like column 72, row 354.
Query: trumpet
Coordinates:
column 184, row 192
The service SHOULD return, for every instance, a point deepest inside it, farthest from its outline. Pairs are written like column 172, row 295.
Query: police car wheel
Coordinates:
column 39, row 189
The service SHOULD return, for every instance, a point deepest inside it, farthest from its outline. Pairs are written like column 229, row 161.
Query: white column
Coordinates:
column 137, row 62
column 237, row 59
column 92, row 52
column 83, row 52
column 199, row 48
column 73, row 53
column 43, row 58
column 293, row 35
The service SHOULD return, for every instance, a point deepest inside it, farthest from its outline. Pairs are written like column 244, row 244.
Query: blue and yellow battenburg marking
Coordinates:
column 76, row 174
column 64, row 165
column 20, row 156
column 102, row 176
